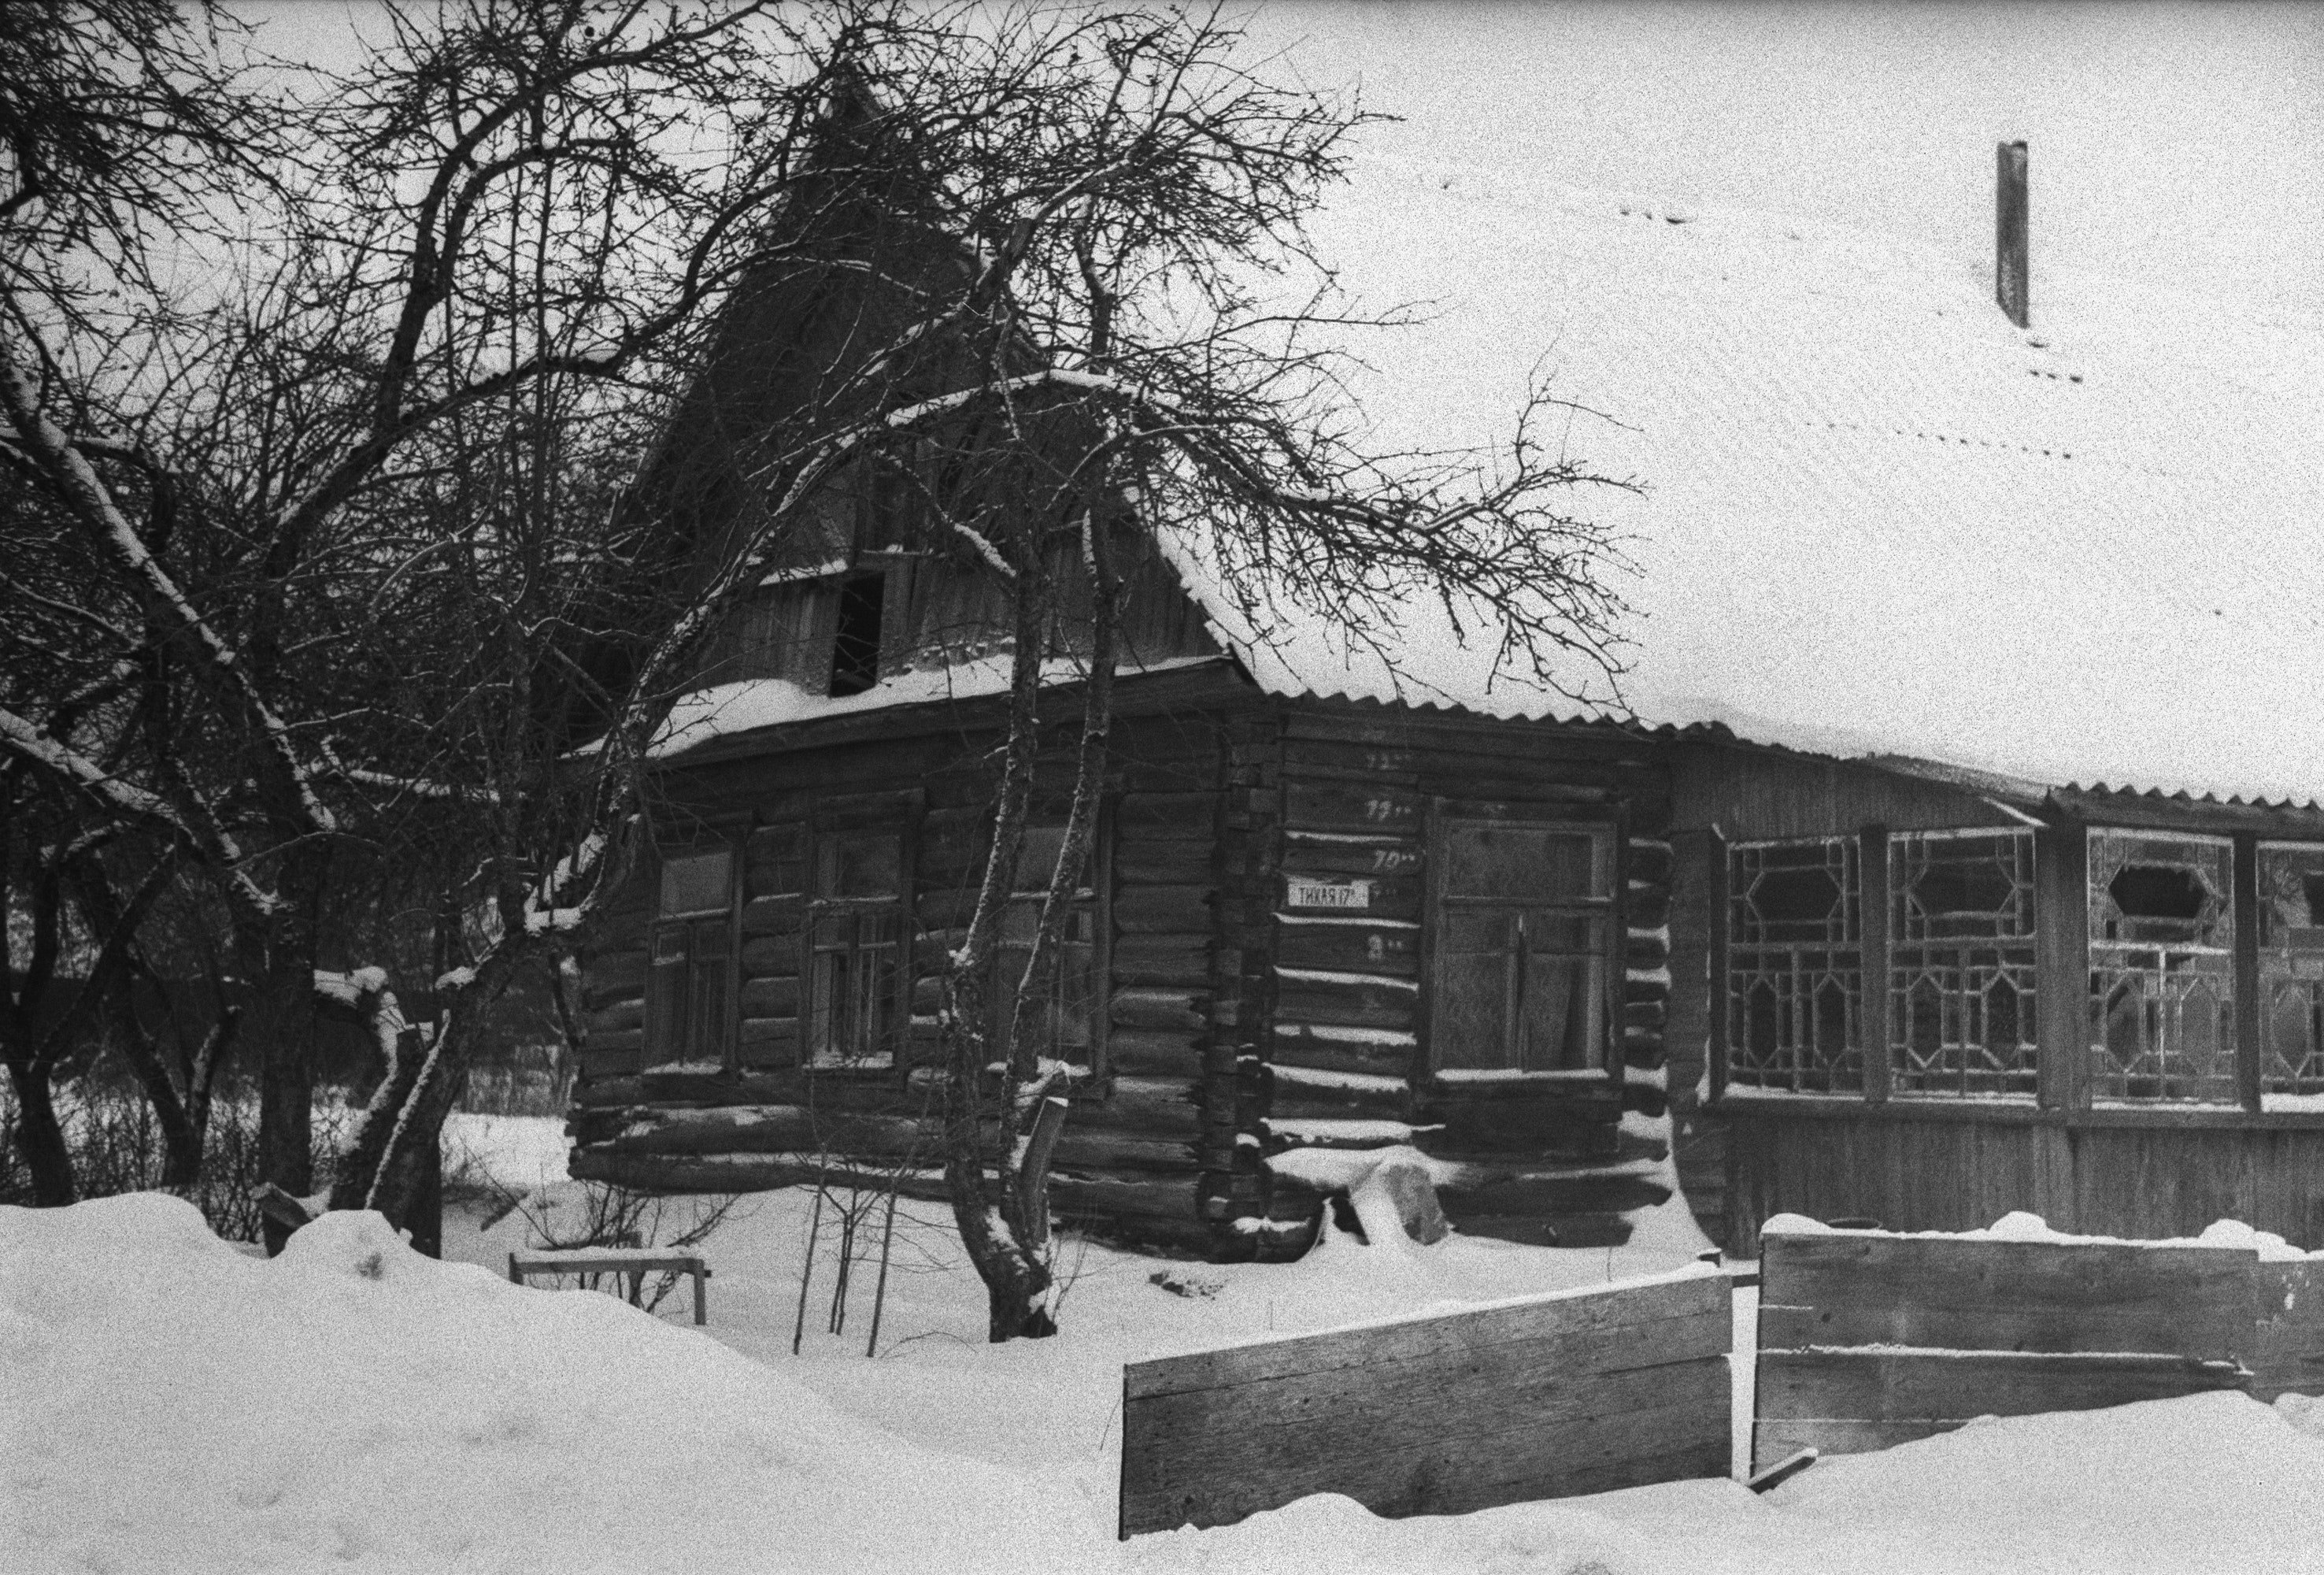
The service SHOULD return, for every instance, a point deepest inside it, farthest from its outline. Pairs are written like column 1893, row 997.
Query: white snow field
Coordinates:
column 168, row 1402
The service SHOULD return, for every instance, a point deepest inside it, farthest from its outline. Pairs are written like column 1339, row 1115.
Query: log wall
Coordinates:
column 1234, row 1026
column 1135, row 1146
column 1342, row 1058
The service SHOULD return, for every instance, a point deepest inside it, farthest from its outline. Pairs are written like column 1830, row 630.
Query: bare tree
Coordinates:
column 370, row 554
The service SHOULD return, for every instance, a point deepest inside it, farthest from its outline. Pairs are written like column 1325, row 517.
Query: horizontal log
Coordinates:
column 1152, row 816
column 617, row 1018
column 768, row 956
column 771, row 997
column 1348, row 1005
column 1648, row 860
column 1170, row 910
column 1161, row 960
column 1286, row 1096
column 1399, row 859
column 1159, row 1008
column 774, row 877
column 1188, row 863
column 1349, row 806
column 1296, row 1046
column 773, row 915
column 1153, row 1052
column 1366, row 948
column 614, row 976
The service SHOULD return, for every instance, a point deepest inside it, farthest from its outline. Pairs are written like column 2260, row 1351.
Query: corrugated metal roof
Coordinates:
column 1881, row 519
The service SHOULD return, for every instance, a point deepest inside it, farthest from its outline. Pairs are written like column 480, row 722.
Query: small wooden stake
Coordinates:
column 880, row 1289
column 1784, row 1470
column 807, row 1271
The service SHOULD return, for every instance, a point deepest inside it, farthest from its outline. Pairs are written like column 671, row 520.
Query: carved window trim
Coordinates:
column 1794, row 994
column 1963, row 986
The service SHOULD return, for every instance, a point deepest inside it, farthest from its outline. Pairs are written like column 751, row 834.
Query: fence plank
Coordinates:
column 1868, row 1383
column 1573, row 1394
column 1869, row 1340
column 1851, row 1289
column 2288, row 1348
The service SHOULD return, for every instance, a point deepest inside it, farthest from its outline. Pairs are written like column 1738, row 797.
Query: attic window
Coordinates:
column 855, row 648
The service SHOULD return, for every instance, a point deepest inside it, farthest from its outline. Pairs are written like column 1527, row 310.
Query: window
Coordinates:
column 689, row 990
column 855, row 928
column 1795, row 966
column 855, row 643
column 2162, row 987
column 1065, row 1015
column 1962, row 962
column 1523, row 932
column 2291, row 967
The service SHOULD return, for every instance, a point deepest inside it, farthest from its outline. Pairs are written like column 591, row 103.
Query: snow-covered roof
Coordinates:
column 1880, row 519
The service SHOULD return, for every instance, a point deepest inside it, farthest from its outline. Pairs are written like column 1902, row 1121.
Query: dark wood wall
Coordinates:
column 1233, row 1029
column 1928, row 1166
column 1345, row 1035
column 1136, row 1144
column 1749, row 791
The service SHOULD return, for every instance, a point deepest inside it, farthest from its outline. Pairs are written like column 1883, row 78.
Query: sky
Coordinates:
column 2176, row 144
column 2179, row 144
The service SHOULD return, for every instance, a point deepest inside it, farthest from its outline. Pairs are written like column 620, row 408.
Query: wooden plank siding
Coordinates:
column 1930, row 1165
column 1571, row 1394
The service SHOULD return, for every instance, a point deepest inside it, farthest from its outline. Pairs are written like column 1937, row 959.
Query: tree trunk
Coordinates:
column 41, row 1137
column 281, row 1022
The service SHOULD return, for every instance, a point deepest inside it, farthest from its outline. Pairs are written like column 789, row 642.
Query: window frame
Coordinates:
column 1095, row 891
column 1728, row 1009
column 1895, row 994
column 659, row 980
column 1605, row 911
column 2119, row 957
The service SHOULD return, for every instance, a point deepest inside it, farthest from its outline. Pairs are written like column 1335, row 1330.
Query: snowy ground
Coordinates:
column 168, row 1402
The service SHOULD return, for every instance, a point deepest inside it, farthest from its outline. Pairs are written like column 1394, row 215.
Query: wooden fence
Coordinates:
column 1869, row 1340
column 1577, row 1391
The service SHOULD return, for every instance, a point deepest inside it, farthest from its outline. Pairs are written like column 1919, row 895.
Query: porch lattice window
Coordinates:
column 1795, row 966
column 2162, row 988
column 1962, row 969
column 2291, row 967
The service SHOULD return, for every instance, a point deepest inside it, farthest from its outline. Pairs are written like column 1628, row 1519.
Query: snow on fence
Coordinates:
column 1869, row 1338
column 1576, row 1392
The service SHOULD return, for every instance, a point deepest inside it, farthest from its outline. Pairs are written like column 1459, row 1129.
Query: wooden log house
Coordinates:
column 1890, row 526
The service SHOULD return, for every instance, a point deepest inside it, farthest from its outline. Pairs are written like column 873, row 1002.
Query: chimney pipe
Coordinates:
column 2009, row 266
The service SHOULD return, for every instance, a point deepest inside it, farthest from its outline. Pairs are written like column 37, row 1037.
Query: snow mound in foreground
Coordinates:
column 167, row 1402
column 172, row 1404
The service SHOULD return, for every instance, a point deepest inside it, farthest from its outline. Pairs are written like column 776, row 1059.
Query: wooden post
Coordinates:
column 2246, row 962
column 2062, row 963
column 2010, row 266
column 1872, row 880
column 1714, row 886
column 701, row 1293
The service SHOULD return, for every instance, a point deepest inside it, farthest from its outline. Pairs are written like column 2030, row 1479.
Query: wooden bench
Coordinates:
column 636, row 1262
